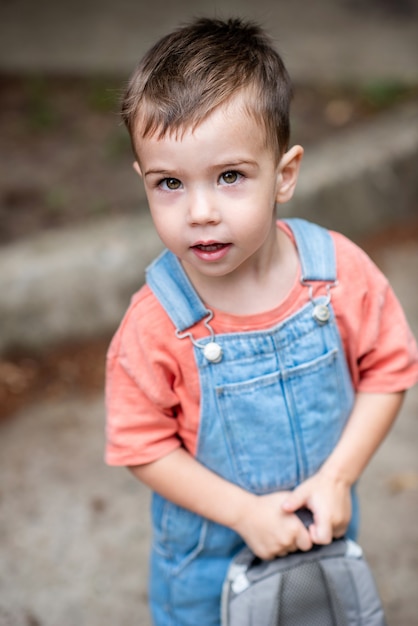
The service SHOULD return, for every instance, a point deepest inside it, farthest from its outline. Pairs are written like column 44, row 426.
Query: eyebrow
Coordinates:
column 164, row 173
column 218, row 166
column 237, row 163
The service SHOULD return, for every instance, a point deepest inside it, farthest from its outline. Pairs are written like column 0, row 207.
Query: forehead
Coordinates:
column 229, row 134
column 241, row 106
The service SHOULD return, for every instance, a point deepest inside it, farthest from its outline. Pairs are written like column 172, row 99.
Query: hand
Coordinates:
column 268, row 530
column 329, row 500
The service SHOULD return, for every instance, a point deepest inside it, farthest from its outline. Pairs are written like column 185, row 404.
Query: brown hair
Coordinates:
column 196, row 68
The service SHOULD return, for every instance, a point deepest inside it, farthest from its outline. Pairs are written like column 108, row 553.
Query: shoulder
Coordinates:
column 380, row 349
column 354, row 266
column 144, row 323
column 363, row 293
column 355, row 269
column 346, row 249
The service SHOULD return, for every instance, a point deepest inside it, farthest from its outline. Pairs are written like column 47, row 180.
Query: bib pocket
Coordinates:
column 279, row 428
column 322, row 391
column 259, row 433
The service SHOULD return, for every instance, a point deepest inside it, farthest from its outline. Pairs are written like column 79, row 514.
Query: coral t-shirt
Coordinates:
column 152, row 384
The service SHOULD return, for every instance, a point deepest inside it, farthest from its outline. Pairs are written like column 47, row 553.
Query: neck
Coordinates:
column 255, row 287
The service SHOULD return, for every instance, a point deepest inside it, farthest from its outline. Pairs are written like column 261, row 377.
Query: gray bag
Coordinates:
column 328, row 586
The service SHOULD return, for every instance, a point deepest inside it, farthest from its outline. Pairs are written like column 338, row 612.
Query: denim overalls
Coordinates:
column 273, row 405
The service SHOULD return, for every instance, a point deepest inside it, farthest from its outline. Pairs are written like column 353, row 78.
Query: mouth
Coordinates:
column 210, row 251
column 209, row 247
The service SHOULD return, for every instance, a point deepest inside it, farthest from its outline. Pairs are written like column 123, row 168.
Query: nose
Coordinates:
column 202, row 208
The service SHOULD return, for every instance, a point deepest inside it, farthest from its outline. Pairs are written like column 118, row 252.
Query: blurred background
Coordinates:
column 75, row 237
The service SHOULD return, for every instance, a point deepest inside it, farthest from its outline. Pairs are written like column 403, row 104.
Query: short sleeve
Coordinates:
column 140, row 399
column 381, row 350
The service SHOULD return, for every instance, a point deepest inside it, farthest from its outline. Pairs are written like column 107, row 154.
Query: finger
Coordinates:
column 304, row 541
column 339, row 532
column 340, row 528
column 294, row 501
column 285, row 550
column 321, row 532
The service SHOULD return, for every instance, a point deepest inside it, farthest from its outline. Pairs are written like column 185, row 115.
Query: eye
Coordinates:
column 170, row 183
column 230, row 177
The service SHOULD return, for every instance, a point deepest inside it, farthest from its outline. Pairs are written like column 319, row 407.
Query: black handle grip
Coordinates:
column 305, row 516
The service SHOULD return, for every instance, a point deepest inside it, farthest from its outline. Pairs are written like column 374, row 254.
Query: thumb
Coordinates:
column 294, row 501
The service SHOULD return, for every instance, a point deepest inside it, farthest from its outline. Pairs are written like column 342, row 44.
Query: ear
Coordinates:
column 288, row 172
column 137, row 169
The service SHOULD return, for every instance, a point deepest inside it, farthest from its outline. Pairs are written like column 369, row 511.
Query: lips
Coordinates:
column 211, row 250
column 209, row 247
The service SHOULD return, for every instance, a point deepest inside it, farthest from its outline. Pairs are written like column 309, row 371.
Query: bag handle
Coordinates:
column 306, row 516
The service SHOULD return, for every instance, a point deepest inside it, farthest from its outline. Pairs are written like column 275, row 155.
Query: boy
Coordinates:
column 264, row 362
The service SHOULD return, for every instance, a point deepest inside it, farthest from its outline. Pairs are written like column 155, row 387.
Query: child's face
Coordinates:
column 212, row 191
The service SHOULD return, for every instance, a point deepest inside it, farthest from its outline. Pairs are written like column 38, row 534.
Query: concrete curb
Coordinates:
column 71, row 284
column 364, row 179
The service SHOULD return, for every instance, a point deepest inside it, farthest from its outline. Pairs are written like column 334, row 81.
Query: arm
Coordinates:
column 327, row 493
column 260, row 520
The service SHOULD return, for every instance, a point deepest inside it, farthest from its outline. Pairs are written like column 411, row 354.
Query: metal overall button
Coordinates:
column 321, row 313
column 212, row 351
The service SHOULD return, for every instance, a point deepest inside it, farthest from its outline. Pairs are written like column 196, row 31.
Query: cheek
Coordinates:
column 255, row 224
column 166, row 225
column 161, row 222
column 161, row 206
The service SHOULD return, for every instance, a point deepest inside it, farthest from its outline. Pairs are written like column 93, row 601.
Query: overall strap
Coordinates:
column 170, row 283
column 316, row 250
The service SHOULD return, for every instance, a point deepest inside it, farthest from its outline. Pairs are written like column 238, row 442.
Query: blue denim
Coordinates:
column 272, row 410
